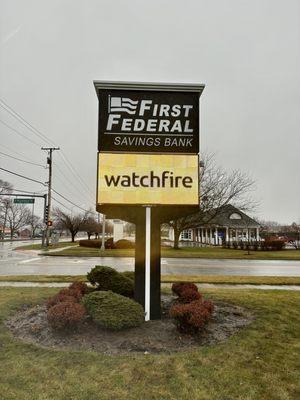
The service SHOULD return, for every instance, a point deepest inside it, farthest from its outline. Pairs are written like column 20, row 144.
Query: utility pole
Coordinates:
column 49, row 162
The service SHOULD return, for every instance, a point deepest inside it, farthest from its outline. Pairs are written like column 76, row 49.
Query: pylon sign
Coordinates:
column 148, row 167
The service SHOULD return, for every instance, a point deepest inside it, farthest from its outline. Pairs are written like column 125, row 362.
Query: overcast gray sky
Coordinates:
column 245, row 52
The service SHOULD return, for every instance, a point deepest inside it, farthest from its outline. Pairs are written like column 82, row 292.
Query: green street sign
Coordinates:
column 23, row 201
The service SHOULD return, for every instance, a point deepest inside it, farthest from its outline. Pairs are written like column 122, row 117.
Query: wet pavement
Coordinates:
column 200, row 286
column 30, row 263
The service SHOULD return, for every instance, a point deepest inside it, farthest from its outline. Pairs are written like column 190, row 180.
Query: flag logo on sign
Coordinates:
column 122, row 104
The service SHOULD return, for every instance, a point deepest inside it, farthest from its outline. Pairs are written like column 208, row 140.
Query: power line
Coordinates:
column 19, row 133
column 22, row 176
column 34, row 180
column 66, row 183
column 74, row 172
column 13, row 151
column 22, row 191
column 69, row 201
column 27, row 124
column 38, row 133
column 63, row 205
column 19, row 159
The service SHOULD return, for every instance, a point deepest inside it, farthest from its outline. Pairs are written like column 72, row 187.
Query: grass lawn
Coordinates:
column 51, row 246
column 261, row 362
column 186, row 252
column 221, row 279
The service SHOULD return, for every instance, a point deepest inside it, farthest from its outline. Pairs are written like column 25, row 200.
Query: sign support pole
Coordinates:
column 147, row 263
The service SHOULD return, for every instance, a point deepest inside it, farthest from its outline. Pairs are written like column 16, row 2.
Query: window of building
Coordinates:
column 235, row 216
column 186, row 234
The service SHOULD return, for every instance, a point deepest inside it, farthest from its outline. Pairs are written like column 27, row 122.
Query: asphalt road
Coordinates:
column 30, row 263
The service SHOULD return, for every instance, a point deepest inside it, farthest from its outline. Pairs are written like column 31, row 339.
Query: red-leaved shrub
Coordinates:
column 124, row 244
column 60, row 298
column 72, row 292
column 178, row 287
column 80, row 287
column 189, row 295
column 66, row 315
column 191, row 317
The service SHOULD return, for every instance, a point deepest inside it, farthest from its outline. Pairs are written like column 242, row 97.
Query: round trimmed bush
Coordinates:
column 124, row 244
column 66, row 315
column 191, row 317
column 189, row 295
column 178, row 287
column 106, row 278
column 113, row 311
column 128, row 274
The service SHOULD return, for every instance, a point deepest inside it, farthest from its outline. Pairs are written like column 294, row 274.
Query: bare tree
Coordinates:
column 71, row 222
column 217, row 189
column 18, row 216
column 35, row 223
column 91, row 227
column 5, row 187
column 129, row 228
column 268, row 228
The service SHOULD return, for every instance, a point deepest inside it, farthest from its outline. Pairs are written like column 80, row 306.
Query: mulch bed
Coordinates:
column 30, row 325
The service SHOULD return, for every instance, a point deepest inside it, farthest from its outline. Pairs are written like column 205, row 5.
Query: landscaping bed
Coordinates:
column 30, row 324
column 260, row 361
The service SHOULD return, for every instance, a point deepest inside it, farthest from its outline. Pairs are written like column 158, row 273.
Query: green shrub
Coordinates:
column 128, row 274
column 124, row 244
column 106, row 278
column 66, row 315
column 113, row 311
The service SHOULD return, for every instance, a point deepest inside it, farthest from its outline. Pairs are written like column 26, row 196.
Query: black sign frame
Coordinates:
column 148, row 117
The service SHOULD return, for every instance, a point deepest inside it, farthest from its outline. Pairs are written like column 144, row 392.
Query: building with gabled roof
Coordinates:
column 229, row 224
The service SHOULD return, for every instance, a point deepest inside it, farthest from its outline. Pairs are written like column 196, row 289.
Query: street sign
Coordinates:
column 146, row 118
column 148, row 179
column 24, row 201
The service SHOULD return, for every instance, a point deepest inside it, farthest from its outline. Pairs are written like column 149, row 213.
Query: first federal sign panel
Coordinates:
column 148, row 143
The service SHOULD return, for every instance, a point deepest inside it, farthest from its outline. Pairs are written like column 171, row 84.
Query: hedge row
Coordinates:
column 109, row 244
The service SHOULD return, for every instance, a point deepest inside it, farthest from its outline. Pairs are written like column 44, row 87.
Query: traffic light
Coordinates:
column 49, row 223
column 46, row 214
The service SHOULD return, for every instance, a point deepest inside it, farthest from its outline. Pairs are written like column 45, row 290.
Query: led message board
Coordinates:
column 143, row 179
